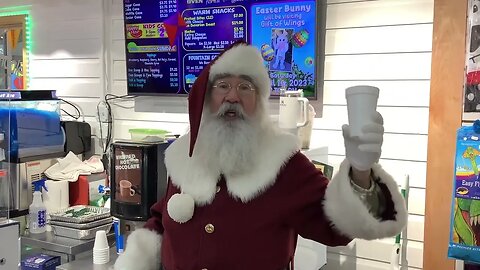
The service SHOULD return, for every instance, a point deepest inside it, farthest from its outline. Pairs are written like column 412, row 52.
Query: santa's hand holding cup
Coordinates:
column 364, row 134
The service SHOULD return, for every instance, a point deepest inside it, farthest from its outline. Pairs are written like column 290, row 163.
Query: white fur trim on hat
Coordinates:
column 180, row 207
column 243, row 60
column 351, row 217
column 142, row 251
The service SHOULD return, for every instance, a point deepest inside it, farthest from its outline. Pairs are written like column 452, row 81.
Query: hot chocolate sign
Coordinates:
column 128, row 175
column 127, row 162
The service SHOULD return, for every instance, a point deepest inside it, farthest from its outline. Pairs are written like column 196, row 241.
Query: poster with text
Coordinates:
column 168, row 42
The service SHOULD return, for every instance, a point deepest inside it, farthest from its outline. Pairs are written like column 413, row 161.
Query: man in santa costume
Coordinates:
column 240, row 191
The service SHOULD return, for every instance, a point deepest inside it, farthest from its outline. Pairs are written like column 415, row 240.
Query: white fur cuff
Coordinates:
column 142, row 251
column 351, row 217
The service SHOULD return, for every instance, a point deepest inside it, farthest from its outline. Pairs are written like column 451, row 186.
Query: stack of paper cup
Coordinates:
column 101, row 249
column 361, row 106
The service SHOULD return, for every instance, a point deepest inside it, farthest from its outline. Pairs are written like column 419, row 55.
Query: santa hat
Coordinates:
column 239, row 59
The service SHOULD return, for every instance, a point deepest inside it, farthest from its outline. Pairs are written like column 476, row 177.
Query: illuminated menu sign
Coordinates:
column 169, row 42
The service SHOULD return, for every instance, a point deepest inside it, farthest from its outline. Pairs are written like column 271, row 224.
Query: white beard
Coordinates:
column 230, row 146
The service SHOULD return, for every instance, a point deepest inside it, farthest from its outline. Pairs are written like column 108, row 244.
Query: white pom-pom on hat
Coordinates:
column 180, row 207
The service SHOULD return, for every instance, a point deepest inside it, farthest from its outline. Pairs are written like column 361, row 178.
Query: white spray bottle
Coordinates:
column 37, row 210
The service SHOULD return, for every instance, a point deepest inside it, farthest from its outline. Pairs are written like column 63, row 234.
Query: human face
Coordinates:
column 234, row 90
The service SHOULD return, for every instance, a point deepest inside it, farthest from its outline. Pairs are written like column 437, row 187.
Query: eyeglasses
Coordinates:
column 243, row 88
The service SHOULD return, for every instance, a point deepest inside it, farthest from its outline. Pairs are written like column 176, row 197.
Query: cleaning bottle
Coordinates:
column 37, row 210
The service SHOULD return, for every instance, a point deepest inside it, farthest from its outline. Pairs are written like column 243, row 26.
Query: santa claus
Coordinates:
column 240, row 191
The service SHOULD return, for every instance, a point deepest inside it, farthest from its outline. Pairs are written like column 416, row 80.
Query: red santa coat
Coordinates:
column 252, row 221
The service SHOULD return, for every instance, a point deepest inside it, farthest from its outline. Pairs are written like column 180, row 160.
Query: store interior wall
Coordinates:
column 386, row 43
column 78, row 49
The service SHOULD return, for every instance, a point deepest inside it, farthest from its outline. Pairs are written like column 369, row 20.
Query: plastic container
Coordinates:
column 148, row 135
column 79, row 191
column 305, row 132
column 32, row 119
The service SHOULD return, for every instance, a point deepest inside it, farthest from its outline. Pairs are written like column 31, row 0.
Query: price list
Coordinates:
column 166, row 8
column 151, row 71
column 193, row 64
column 213, row 28
column 133, row 11
column 173, row 75
column 155, row 65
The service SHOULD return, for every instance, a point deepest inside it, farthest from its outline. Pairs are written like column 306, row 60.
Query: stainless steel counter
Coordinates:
column 87, row 263
column 71, row 247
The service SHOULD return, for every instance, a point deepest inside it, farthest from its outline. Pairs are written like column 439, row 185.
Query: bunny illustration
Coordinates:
column 280, row 44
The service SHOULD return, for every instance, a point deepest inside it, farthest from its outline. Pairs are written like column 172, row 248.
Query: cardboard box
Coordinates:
column 41, row 262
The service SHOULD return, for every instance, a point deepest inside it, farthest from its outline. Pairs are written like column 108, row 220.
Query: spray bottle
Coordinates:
column 37, row 210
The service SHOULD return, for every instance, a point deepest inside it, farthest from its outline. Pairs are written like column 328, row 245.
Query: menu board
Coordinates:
column 169, row 42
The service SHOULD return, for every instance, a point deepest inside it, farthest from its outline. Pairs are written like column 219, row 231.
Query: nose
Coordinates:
column 232, row 96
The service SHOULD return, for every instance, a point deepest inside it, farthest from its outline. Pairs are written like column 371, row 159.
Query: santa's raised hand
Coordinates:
column 364, row 150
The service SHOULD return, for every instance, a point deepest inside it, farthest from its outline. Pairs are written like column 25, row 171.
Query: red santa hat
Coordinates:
column 239, row 59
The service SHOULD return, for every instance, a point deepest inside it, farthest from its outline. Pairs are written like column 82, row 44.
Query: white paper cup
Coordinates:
column 101, row 241
column 361, row 106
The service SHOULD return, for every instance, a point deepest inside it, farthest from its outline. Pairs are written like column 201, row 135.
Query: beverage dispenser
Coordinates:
column 138, row 178
column 32, row 139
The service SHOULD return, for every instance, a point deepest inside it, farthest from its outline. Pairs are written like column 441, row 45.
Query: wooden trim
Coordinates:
column 446, row 99
column 16, row 20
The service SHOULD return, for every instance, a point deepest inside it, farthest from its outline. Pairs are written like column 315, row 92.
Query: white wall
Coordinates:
column 67, row 52
column 386, row 43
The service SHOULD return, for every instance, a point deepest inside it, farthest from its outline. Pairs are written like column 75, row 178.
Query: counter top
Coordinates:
column 71, row 247
column 87, row 263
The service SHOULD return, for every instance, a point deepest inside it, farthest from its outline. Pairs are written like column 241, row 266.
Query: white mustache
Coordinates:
column 235, row 107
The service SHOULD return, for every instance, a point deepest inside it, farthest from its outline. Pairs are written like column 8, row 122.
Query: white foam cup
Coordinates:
column 101, row 241
column 361, row 106
column 101, row 256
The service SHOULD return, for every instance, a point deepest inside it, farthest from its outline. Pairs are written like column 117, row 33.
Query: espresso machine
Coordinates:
column 138, row 179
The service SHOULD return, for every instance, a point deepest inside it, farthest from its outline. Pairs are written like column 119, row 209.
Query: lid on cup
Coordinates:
column 362, row 89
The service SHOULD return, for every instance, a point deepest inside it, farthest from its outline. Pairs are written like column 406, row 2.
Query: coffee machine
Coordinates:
column 138, row 179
